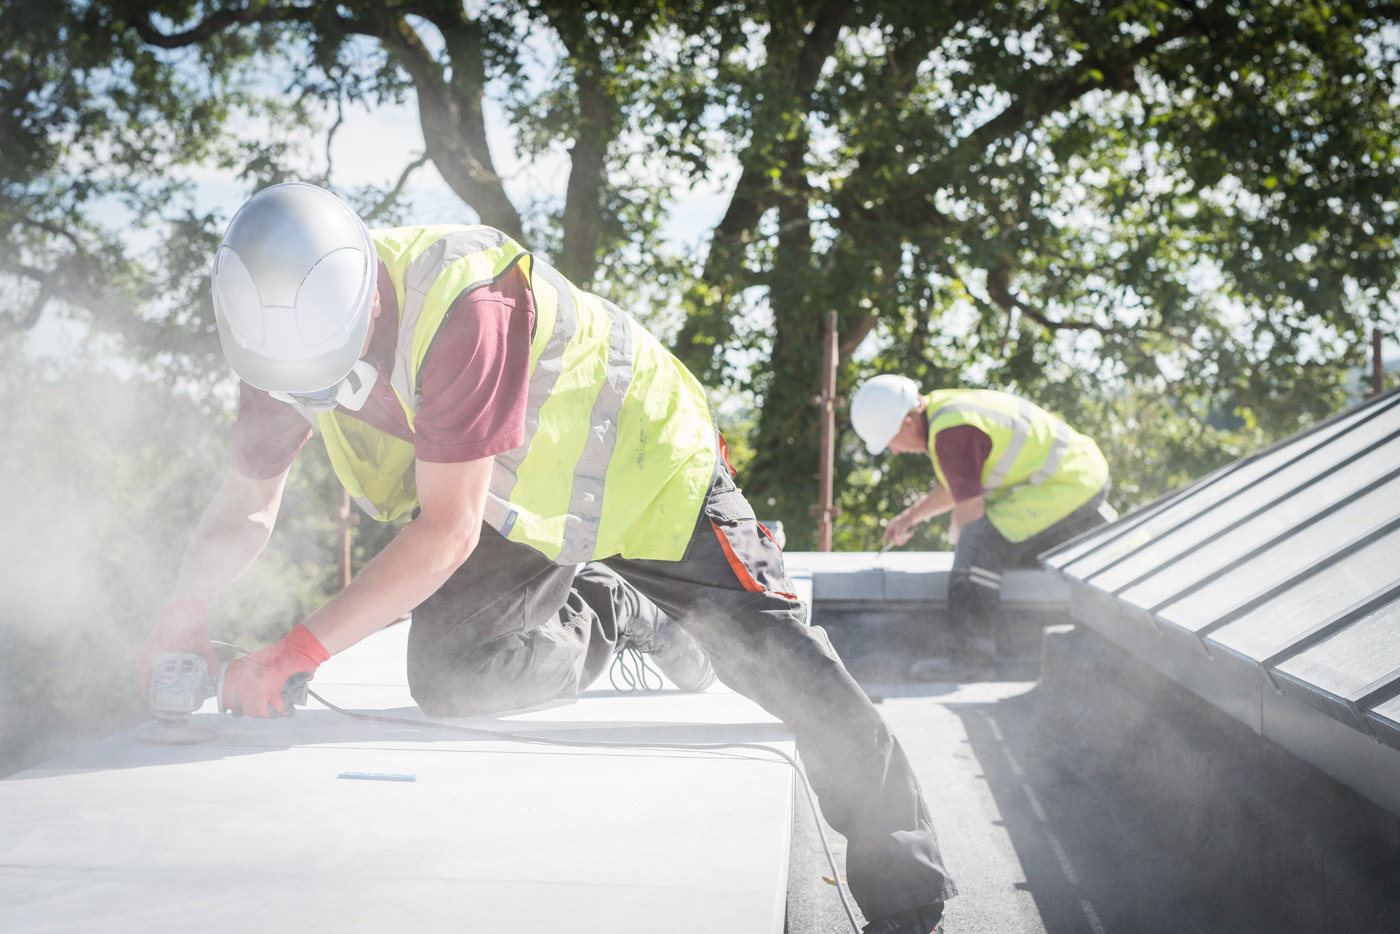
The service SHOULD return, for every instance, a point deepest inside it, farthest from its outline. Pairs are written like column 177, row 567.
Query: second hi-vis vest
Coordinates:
column 619, row 447
column 1039, row 471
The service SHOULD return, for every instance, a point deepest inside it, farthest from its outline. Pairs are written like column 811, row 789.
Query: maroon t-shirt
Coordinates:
column 474, row 386
column 962, row 451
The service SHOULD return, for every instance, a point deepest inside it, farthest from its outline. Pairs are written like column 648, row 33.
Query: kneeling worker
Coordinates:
column 569, row 497
column 1017, row 480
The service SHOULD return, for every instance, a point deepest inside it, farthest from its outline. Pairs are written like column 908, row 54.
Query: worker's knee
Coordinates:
column 516, row 670
column 974, row 595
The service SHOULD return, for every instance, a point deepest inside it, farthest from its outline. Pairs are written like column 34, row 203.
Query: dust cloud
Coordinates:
column 104, row 478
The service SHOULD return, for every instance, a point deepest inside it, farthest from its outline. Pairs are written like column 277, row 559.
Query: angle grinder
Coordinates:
column 180, row 683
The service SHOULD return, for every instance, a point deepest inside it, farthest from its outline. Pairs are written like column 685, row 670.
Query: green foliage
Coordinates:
column 1102, row 207
column 1115, row 208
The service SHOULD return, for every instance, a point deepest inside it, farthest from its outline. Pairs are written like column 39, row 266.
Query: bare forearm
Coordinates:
column 969, row 510
column 419, row 559
column 900, row 529
column 213, row 561
column 965, row 512
column 933, row 503
column 410, row 569
column 233, row 531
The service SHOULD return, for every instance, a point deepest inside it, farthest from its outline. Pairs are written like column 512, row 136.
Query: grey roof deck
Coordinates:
column 1040, row 822
column 258, row 829
column 269, row 828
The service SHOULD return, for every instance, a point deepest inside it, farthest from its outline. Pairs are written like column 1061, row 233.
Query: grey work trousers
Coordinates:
column 511, row 629
column 982, row 554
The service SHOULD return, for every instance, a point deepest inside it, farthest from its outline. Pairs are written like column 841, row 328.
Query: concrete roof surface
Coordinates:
column 267, row 827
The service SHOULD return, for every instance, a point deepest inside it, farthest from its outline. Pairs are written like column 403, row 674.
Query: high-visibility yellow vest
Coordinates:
column 619, row 447
column 1039, row 471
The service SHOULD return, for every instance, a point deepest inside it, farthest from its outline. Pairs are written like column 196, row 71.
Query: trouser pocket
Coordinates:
column 750, row 550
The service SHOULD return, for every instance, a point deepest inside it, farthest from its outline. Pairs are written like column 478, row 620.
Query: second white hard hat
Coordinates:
column 293, row 286
column 879, row 406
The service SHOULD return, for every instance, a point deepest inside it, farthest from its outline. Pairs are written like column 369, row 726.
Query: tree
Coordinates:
column 1088, row 202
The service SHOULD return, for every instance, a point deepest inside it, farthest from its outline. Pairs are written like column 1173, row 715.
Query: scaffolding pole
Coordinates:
column 826, row 509
column 1377, row 364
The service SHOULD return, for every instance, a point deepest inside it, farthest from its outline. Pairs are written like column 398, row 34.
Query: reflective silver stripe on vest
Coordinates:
column 1020, row 431
column 586, row 496
column 370, row 509
column 586, row 489
column 1052, row 460
column 546, row 373
column 423, row 271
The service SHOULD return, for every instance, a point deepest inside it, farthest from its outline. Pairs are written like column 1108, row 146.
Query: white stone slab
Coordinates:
column 809, row 563
column 260, row 830
column 908, row 575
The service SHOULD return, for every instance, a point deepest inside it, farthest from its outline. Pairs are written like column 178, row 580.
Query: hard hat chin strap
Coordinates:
column 350, row 393
column 356, row 386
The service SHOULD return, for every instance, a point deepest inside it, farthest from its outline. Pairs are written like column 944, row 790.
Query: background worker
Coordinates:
column 1017, row 480
column 566, row 480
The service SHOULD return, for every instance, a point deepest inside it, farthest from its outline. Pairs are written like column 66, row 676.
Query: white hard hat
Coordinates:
column 879, row 406
column 294, row 282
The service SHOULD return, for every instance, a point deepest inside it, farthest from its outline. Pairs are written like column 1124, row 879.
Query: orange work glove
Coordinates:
column 263, row 684
column 180, row 627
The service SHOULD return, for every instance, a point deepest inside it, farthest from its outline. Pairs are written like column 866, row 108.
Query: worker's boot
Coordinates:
column 922, row 920
column 654, row 634
column 980, row 651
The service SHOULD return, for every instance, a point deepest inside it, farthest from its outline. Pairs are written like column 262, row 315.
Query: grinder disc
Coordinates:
column 163, row 732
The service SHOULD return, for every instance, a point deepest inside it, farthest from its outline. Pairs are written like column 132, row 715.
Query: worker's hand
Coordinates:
column 181, row 627
column 965, row 512
column 954, row 530
column 900, row 529
column 258, row 685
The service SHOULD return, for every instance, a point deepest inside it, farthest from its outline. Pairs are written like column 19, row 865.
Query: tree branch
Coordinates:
column 394, row 192
column 1116, row 73
column 749, row 203
column 71, row 281
column 213, row 24
column 755, row 192
column 599, row 122
column 23, row 322
column 999, row 291
column 451, row 114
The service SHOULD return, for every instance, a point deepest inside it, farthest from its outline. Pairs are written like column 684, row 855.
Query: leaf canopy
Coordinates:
column 1188, row 208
